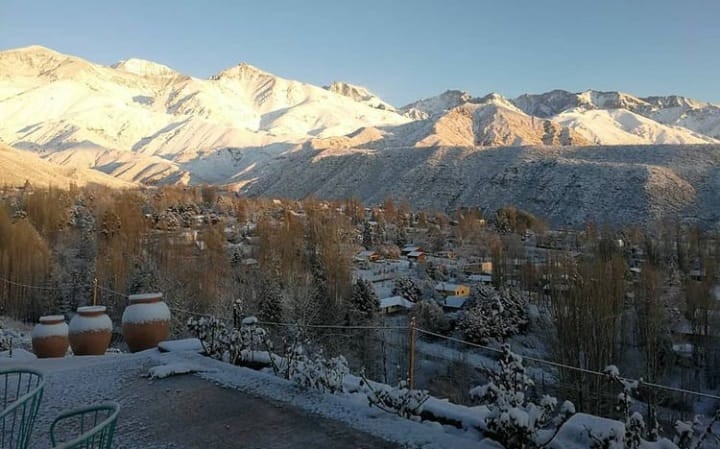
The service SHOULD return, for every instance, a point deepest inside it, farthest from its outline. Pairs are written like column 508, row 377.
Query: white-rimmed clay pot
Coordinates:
column 50, row 337
column 90, row 331
column 146, row 321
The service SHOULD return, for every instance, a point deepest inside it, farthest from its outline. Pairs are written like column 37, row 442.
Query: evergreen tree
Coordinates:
column 270, row 307
column 364, row 301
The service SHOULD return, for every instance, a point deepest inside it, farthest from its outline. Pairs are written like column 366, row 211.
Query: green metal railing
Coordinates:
column 21, row 391
column 87, row 428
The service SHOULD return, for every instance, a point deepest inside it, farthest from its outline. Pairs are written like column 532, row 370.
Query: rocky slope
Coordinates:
column 17, row 167
column 568, row 185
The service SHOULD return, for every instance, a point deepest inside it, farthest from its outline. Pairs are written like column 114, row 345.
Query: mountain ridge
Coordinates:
column 143, row 122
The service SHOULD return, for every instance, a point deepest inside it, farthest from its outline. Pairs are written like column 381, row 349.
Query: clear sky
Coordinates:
column 401, row 49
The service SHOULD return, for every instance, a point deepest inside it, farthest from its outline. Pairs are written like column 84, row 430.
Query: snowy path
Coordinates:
column 182, row 412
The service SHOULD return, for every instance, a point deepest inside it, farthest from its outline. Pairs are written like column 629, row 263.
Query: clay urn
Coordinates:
column 90, row 331
column 146, row 321
column 50, row 337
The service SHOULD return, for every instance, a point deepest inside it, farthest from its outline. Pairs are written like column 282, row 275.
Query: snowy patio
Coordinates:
column 223, row 406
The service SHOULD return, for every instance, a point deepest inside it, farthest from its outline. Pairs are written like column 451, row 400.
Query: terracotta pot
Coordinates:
column 90, row 331
column 146, row 321
column 50, row 337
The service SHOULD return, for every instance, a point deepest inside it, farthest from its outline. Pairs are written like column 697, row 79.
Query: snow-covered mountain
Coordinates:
column 141, row 121
column 456, row 119
column 146, row 114
column 616, row 118
column 359, row 94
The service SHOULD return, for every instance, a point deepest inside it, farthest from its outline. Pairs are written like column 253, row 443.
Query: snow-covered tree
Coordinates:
column 513, row 419
column 408, row 289
column 364, row 303
column 495, row 317
column 430, row 316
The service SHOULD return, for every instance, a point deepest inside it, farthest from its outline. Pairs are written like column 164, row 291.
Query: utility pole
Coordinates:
column 95, row 289
column 411, row 369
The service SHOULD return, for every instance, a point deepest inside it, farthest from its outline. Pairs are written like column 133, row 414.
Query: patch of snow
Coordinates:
column 173, row 369
column 144, row 297
column 188, row 344
column 80, row 324
column 50, row 330
column 18, row 354
column 146, row 313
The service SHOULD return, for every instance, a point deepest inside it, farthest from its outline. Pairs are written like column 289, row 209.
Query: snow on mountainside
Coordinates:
column 51, row 103
column 620, row 126
column 359, row 94
column 472, row 122
column 141, row 121
column 143, row 67
column 612, row 118
column 568, row 185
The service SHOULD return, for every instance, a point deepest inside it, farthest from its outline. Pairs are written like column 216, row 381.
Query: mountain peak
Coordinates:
column 143, row 67
column 241, row 71
column 358, row 93
column 436, row 105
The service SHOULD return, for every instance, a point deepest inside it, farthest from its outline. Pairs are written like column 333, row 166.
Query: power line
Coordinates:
column 333, row 326
column 423, row 331
column 573, row 368
column 34, row 287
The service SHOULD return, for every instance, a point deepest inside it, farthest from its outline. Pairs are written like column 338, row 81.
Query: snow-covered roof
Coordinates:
column 480, row 278
column 447, row 286
column 455, row 302
column 395, row 301
column 410, row 248
column 415, row 254
column 366, row 253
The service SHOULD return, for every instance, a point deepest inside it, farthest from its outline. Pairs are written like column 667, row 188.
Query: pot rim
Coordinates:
column 144, row 298
column 90, row 310
column 51, row 319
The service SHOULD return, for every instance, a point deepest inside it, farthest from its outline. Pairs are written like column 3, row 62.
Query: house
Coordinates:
column 455, row 302
column 395, row 304
column 485, row 279
column 485, row 267
column 367, row 256
column 410, row 249
column 446, row 255
column 417, row 256
column 449, row 289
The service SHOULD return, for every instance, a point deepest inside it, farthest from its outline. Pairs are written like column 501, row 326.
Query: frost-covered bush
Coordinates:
column 5, row 339
column 637, row 432
column 692, row 435
column 209, row 330
column 400, row 400
column 495, row 317
column 513, row 419
column 232, row 345
column 317, row 372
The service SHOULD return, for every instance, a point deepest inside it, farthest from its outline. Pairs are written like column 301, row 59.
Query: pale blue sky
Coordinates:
column 401, row 49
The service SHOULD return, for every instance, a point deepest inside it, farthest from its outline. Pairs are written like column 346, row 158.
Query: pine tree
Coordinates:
column 270, row 307
column 364, row 301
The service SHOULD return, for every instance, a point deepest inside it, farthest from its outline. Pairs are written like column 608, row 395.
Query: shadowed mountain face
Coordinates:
column 567, row 185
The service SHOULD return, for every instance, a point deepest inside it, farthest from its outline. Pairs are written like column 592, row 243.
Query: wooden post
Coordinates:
column 411, row 368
